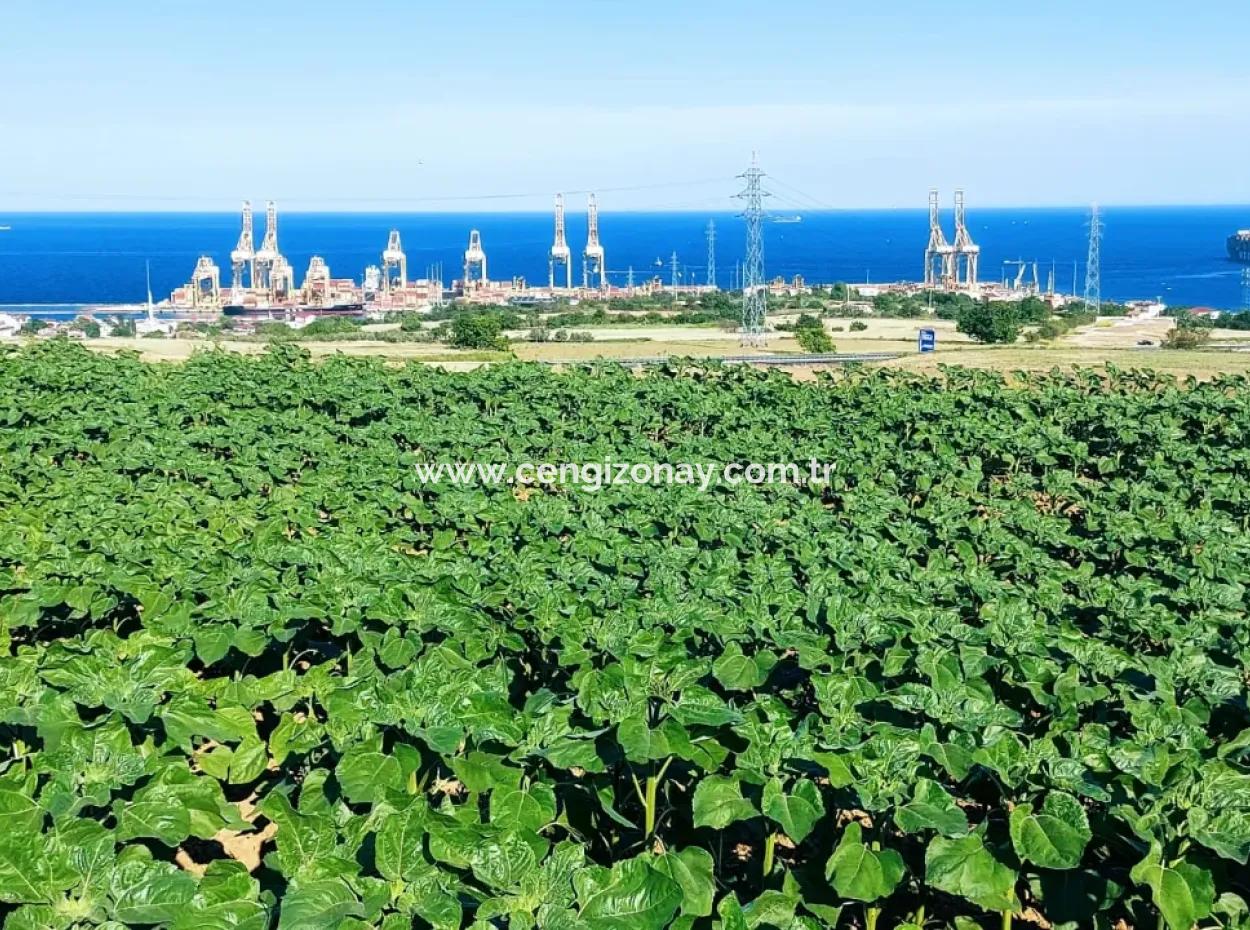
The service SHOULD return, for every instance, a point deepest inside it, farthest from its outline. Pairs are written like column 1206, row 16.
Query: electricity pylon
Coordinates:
column 754, row 292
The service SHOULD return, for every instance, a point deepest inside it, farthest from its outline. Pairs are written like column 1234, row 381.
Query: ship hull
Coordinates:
column 265, row 313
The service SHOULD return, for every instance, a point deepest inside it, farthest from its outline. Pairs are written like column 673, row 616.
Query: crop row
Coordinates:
column 254, row 673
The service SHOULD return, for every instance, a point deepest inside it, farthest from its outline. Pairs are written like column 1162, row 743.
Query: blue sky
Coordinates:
column 169, row 104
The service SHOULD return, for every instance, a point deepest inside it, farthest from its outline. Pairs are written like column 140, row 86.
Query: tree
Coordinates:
column 987, row 322
column 1194, row 322
column 811, row 335
column 87, row 326
column 124, row 327
column 477, row 331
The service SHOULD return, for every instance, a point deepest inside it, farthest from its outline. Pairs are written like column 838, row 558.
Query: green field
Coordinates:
column 255, row 674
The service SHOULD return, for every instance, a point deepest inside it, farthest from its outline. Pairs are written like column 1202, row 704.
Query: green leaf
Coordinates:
column 318, row 905
column 797, row 813
column 692, row 869
column 523, row 807
column 966, row 868
column 366, row 773
column 32, row 870
column 19, row 814
column 862, row 873
column 718, row 802
column 249, row 761
column 931, row 808
column 147, row 892
column 1056, row 837
column 1182, row 892
column 731, row 916
column 159, row 819
column 399, row 843
column 640, row 742
column 629, row 896
column 738, row 672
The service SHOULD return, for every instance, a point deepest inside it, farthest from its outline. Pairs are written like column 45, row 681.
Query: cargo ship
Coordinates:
column 1239, row 246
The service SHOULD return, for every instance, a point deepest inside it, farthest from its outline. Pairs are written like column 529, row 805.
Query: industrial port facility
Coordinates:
column 263, row 283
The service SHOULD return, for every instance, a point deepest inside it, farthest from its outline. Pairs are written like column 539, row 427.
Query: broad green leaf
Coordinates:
column 317, row 905
column 1055, row 837
column 931, row 808
column 798, row 812
column 529, row 806
column 32, row 870
column 249, row 761
column 730, row 912
column 861, row 873
column 692, row 869
column 18, row 813
column 629, row 896
column 148, row 892
column 365, row 774
column 1182, row 892
column 160, row 819
column 966, row 868
column 399, row 844
column 718, row 802
column 640, row 742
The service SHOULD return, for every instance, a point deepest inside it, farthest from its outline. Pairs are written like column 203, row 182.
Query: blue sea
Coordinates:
column 1174, row 253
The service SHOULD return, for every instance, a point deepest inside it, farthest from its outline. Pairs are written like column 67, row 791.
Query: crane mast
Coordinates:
column 560, row 254
column 593, row 255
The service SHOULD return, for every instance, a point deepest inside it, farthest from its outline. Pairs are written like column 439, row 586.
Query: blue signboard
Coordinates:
column 928, row 340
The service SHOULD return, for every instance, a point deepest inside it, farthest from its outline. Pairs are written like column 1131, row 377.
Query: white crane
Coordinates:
column 243, row 258
column 474, row 262
column 593, row 256
column 393, row 258
column 561, row 254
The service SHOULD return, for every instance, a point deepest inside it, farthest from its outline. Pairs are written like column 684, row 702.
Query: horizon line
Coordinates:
column 372, row 211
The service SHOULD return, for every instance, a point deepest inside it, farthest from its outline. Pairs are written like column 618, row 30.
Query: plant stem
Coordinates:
column 873, row 914
column 770, row 845
column 653, row 782
column 1006, row 920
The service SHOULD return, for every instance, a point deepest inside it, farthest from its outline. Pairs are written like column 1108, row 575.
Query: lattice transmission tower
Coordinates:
column 711, row 253
column 1093, row 266
column 754, row 291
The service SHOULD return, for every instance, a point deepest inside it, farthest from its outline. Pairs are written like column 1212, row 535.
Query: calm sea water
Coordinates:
column 1176, row 253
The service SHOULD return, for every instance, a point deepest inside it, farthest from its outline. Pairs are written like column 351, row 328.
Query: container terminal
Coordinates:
column 262, row 282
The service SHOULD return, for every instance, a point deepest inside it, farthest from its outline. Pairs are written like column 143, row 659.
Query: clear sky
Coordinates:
column 385, row 104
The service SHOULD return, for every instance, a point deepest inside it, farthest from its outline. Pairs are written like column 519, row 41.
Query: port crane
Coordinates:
column 243, row 258
column 474, row 262
column 205, row 283
column 393, row 258
column 593, row 262
column 966, row 252
column 560, row 254
column 317, row 282
column 270, row 268
column 939, row 255
column 1022, row 269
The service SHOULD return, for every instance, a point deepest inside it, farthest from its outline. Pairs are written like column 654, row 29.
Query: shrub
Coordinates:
column 811, row 335
column 990, row 322
column 858, row 326
column 477, row 331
